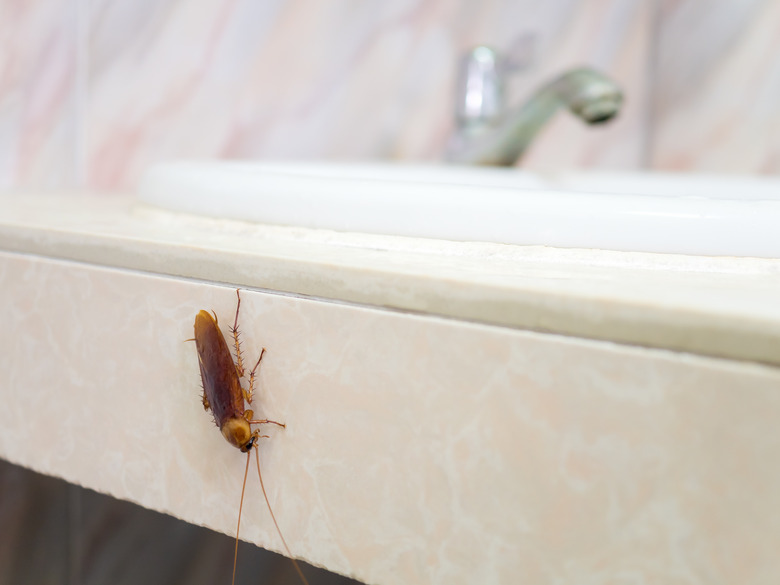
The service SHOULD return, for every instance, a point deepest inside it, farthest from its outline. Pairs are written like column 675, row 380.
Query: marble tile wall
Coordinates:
column 39, row 95
column 92, row 91
column 718, row 77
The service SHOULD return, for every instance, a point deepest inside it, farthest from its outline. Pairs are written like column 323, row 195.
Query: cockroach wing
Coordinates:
column 218, row 371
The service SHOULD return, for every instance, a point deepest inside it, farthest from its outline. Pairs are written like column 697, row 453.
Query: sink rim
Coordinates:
column 687, row 214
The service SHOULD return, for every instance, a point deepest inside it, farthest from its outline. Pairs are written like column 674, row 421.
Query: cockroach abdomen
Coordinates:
column 222, row 391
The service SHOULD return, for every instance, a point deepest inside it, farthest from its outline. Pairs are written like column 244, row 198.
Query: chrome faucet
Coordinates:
column 487, row 133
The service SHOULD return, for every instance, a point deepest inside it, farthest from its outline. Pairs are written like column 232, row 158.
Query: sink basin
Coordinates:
column 643, row 212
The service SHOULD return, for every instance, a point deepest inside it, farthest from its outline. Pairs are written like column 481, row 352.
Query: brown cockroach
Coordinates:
column 224, row 395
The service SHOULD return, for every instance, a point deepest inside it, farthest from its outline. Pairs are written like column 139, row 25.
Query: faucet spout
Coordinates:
column 502, row 139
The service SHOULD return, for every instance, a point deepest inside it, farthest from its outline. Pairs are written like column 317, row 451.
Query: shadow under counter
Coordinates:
column 54, row 533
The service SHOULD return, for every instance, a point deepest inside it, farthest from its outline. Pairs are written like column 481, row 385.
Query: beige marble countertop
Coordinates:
column 715, row 306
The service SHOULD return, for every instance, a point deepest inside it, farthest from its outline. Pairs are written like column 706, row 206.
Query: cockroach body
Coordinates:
column 224, row 395
column 222, row 391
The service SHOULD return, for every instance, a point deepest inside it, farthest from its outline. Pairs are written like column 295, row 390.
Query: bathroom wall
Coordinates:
column 92, row 91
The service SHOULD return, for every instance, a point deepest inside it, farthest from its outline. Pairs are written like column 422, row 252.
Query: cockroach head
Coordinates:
column 251, row 443
column 237, row 432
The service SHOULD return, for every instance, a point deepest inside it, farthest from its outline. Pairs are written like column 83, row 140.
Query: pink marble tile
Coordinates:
column 717, row 87
column 335, row 80
column 91, row 93
column 39, row 90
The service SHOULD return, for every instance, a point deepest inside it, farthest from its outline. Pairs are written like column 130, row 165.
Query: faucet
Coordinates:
column 489, row 134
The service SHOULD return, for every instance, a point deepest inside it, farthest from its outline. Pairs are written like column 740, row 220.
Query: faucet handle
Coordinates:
column 480, row 89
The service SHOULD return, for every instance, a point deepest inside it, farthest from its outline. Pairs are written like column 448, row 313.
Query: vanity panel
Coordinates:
column 418, row 449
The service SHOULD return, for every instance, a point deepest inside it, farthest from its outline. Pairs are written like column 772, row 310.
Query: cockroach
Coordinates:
column 225, row 397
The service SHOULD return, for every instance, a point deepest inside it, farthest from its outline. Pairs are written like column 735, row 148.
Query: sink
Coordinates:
column 642, row 212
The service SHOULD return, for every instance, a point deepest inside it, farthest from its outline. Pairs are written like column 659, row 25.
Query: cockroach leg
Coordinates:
column 234, row 332
column 249, row 394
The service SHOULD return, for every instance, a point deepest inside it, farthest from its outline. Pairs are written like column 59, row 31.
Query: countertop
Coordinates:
column 714, row 306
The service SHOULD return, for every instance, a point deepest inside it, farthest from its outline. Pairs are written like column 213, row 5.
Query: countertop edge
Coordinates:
column 544, row 291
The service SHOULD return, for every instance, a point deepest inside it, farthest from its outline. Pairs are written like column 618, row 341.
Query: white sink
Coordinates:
column 643, row 212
